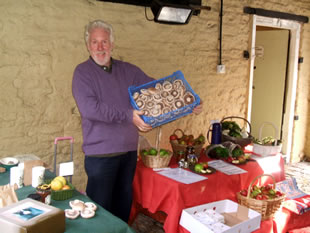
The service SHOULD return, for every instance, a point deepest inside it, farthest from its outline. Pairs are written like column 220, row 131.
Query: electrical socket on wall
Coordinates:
column 220, row 69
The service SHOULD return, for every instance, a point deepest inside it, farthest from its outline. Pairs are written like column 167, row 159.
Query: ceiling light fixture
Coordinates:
column 175, row 12
column 168, row 11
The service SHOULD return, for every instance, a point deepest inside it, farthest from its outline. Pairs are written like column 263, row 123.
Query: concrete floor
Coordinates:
column 300, row 171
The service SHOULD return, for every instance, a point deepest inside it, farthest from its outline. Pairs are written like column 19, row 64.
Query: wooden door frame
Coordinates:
column 288, row 121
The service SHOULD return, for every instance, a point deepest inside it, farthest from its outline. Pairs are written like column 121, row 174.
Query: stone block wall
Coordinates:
column 41, row 42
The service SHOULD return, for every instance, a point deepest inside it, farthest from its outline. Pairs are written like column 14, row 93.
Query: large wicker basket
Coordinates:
column 177, row 147
column 157, row 161
column 243, row 142
column 267, row 208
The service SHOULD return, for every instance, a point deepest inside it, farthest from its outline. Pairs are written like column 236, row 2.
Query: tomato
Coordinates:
column 244, row 192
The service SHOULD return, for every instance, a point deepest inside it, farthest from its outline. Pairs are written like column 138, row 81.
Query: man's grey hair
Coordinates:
column 98, row 24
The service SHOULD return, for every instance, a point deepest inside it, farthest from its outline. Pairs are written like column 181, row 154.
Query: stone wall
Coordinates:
column 41, row 42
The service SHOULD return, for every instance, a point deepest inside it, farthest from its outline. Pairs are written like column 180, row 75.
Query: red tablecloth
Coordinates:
column 159, row 193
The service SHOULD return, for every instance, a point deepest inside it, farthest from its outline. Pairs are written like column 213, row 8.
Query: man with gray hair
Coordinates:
column 109, row 123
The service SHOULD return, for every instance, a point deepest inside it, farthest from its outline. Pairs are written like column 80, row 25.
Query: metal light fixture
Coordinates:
column 175, row 12
column 168, row 11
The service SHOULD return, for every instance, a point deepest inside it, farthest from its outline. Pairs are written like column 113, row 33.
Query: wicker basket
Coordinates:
column 243, row 142
column 156, row 161
column 265, row 150
column 267, row 208
column 176, row 147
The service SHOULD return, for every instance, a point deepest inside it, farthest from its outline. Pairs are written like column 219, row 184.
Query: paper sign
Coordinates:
column 226, row 168
column 182, row 175
column 66, row 169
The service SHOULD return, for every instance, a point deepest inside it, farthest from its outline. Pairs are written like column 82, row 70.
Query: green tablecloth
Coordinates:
column 103, row 222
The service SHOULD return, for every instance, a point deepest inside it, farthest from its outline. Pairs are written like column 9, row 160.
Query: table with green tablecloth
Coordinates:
column 103, row 222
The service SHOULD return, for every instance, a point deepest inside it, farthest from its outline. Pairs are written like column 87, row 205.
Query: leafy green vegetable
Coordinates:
column 233, row 128
column 237, row 152
column 269, row 140
column 222, row 152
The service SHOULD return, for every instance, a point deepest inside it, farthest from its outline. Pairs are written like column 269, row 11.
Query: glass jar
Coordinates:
column 45, row 192
column 190, row 156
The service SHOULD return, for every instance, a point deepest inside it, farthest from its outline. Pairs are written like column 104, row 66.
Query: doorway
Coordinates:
column 288, row 104
column 269, row 81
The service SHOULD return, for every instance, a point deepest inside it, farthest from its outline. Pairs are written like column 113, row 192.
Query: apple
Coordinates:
column 205, row 165
column 182, row 142
column 145, row 152
column 173, row 137
column 198, row 167
column 163, row 152
column 152, row 151
column 201, row 138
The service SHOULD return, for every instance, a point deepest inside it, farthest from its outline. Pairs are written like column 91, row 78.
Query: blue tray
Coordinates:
column 170, row 116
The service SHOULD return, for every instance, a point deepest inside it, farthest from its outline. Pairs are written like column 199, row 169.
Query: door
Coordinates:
column 269, row 80
column 294, row 29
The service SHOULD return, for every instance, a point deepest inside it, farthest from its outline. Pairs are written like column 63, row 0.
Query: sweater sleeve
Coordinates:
column 89, row 105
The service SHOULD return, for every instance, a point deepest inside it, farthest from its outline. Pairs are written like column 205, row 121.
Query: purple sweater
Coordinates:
column 104, row 105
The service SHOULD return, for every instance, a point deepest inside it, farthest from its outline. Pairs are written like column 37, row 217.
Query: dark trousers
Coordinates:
column 110, row 182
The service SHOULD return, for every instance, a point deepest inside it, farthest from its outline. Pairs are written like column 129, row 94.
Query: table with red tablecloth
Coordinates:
column 157, row 193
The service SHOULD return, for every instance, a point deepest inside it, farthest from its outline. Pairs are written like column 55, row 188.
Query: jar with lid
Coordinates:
column 45, row 192
column 191, row 156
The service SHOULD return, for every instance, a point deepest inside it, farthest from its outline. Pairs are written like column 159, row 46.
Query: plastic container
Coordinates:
column 172, row 115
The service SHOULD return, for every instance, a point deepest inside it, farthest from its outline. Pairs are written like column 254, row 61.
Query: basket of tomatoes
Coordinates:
column 264, row 199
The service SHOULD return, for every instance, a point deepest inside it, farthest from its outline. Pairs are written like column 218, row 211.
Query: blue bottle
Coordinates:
column 216, row 137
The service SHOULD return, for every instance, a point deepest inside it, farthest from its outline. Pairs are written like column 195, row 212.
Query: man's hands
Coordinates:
column 141, row 125
column 198, row 109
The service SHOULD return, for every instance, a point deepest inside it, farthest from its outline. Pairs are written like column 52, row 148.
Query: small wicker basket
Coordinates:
column 267, row 208
column 156, row 161
column 177, row 147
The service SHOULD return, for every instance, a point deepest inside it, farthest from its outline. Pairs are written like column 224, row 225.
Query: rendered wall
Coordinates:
column 41, row 42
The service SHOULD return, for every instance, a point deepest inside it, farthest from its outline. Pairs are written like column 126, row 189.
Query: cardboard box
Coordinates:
column 239, row 219
column 30, row 216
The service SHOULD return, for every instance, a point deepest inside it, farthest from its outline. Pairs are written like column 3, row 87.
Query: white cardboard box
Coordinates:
column 239, row 218
column 30, row 216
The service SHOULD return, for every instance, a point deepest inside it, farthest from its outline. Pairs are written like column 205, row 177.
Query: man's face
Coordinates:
column 100, row 46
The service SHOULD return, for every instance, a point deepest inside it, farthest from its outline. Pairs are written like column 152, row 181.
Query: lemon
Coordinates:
column 56, row 184
column 61, row 179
